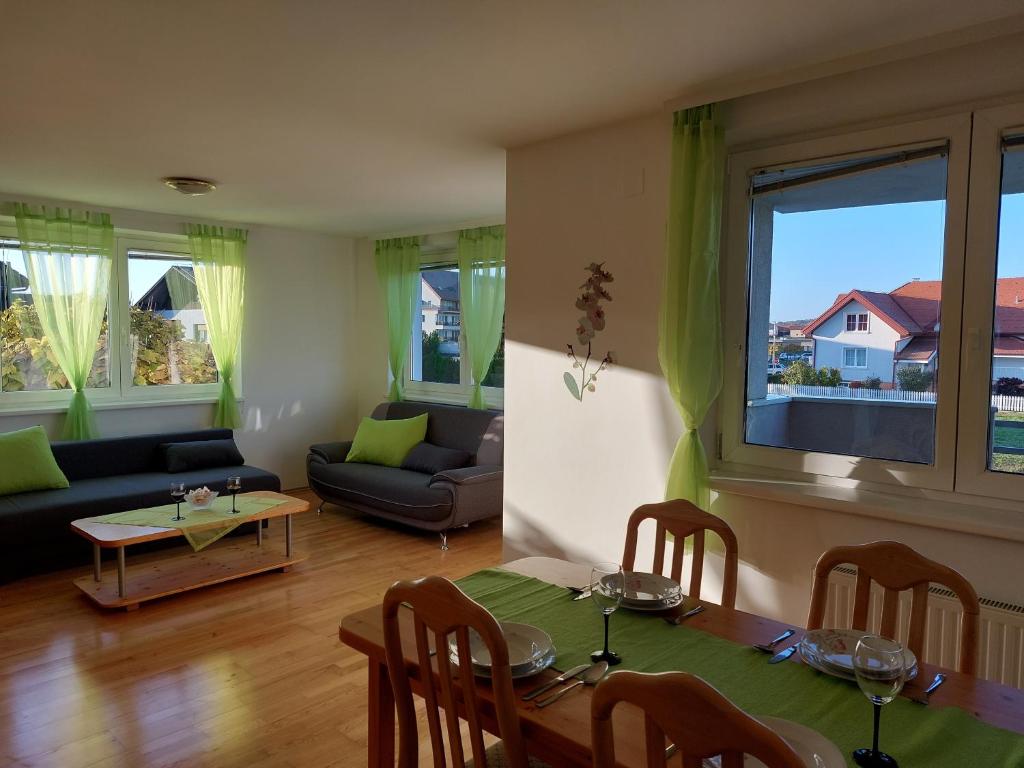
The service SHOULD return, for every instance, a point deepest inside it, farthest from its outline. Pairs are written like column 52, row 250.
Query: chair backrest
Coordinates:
column 696, row 718
column 897, row 567
column 682, row 519
column 446, row 611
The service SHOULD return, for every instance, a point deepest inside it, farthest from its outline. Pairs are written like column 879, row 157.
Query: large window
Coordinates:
column 153, row 309
column 849, row 249
column 27, row 363
column 169, row 340
column 439, row 367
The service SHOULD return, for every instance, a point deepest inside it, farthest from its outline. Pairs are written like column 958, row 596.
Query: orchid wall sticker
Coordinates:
column 589, row 325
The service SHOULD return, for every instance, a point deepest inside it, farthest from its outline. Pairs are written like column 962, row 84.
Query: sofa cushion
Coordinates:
column 453, row 426
column 431, row 459
column 84, row 459
column 397, row 491
column 201, row 454
column 386, row 442
column 28, row 463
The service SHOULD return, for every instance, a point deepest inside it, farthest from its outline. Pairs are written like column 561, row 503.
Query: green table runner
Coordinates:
column 201, row 527
column 917, row 736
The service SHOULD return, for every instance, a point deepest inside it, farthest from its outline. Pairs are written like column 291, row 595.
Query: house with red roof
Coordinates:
column 867, row 333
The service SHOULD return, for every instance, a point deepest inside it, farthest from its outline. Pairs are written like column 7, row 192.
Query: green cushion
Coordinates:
column 387, row 442
column 28, row 463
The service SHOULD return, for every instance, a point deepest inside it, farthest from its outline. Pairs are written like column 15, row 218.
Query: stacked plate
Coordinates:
column 530, row 650
column 831, row 651
column 647, row 591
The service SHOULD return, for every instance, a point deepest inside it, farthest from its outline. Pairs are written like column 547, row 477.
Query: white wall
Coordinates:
column 298, row 356
column 573, row 471
column 831, row 338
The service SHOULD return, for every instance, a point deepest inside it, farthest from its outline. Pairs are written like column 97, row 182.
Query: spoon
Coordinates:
column 592, row 676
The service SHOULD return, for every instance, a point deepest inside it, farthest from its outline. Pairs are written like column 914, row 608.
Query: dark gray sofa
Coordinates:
column 106, row 475
column 438, row 502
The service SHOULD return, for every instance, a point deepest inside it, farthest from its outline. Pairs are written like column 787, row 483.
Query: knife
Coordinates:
column 924, row 697
column 784, row 654
column 564, row 677
column 583, row 595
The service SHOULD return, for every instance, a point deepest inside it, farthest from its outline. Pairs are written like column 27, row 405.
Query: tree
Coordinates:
column 872, row 382
column 1008, row 385
column 791, row 347
column 773, row 351
column 799, row 372
column 436, row 366
column 829, row 377
column 914, row 378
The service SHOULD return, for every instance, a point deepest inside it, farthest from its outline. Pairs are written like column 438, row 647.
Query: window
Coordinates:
column 856, row 322
column 27, row 363
column 855, row 357
column 153, row 307
column 169, row 339
column 439, row 366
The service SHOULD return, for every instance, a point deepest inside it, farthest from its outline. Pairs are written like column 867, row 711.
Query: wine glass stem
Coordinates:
column 607, row 616
column 878, row 715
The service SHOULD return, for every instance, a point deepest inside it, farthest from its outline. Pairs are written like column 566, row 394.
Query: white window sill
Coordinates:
column 959, row 512
column 108, row 405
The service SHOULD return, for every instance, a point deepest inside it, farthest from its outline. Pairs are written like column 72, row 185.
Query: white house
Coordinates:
column 871, row 334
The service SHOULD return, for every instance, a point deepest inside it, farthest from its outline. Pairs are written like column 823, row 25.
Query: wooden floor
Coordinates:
column 248, row 673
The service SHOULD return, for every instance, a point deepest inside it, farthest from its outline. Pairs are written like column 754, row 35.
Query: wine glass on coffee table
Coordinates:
column 177, row 493
column 234, row 486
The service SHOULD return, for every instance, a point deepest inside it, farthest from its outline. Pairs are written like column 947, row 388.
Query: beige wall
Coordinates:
column 298, row 359
column 575, row 471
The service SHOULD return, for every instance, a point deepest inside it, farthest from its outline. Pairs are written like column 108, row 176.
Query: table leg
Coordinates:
column 288, row 535
column 121, row 586
column 259, row 533
column 380, row 738
column 96, row 560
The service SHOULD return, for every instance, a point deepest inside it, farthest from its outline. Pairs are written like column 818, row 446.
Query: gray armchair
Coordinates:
column 434, row 501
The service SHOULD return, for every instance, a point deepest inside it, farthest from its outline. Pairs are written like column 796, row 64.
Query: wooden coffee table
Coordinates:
column 181, row 573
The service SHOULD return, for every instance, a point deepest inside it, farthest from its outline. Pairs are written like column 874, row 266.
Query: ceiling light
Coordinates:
column 188, row 186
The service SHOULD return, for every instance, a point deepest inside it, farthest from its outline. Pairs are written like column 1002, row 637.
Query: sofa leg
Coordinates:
column 444, row 541
column 320, row 509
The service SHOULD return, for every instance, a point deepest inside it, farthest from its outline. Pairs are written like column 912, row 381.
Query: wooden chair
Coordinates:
column 682, row 519
column 897, row 567
column 445, row 610
column 695, row 717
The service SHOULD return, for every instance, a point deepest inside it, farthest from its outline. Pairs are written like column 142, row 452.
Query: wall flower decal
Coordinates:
column 589, row 324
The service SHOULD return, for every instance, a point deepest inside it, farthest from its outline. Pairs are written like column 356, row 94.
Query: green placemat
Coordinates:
column 201, row 527
column 917, row 736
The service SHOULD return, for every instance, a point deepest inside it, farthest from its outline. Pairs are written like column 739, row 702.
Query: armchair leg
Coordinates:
column 444, row 541
column 320, row 509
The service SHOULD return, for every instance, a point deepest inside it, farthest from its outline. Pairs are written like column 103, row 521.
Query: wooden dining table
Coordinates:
column 560, row 735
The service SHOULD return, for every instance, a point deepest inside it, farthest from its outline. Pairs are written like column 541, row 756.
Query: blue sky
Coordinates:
column 819, row 254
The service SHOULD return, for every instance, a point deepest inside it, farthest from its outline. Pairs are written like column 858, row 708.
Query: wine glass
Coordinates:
column 234, row 486
column 177, row 493
column 881, row 671
column 607, row 583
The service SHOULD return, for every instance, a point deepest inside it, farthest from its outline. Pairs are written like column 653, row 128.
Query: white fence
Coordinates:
column 999, row 402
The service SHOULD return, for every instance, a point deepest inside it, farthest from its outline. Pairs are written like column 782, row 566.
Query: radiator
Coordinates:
column 1001, row 635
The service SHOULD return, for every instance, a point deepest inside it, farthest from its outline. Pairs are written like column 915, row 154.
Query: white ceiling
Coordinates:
column 379, row 115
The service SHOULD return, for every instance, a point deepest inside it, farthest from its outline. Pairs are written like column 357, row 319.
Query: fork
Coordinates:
column 769, row 647
column 677, row 620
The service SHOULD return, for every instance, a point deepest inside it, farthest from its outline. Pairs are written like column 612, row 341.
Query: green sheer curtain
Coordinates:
column 690, row 328
column 481, row 299
column 218, row 260
column 398, row 271
column 68, row 256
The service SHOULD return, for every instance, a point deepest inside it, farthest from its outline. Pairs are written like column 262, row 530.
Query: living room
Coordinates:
column 254, row 296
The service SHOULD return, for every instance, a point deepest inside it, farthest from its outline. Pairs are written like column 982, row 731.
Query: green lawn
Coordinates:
column 1010, row 438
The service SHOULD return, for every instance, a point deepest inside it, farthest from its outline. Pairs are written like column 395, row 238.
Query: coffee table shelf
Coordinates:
column 217, row 564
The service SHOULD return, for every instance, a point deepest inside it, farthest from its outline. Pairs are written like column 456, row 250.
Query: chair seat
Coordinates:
column 495, row 756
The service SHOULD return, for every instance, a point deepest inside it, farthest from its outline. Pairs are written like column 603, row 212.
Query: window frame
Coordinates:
column 856, row 322
column 972, row 472
column 121, row 393
column 735, row 453
column 435, row 392
column 855, row 350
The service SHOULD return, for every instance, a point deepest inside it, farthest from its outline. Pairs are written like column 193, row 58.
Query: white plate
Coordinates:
column 831, row 651
column 530, row 650
column 649, row 592
column 814, row 749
